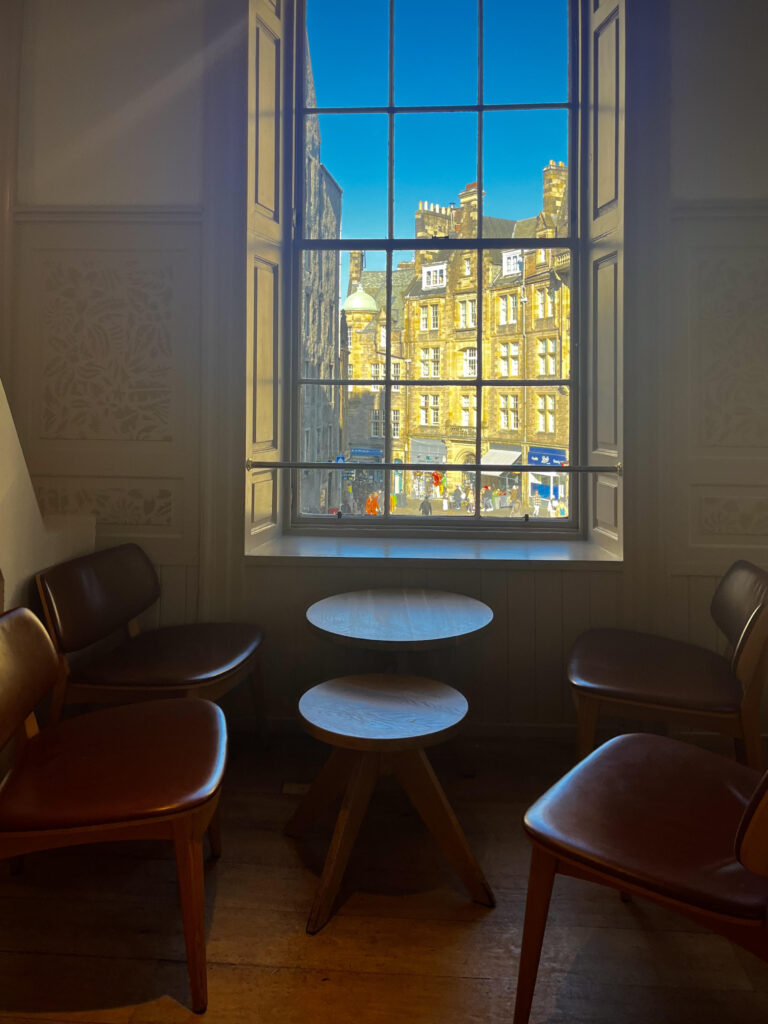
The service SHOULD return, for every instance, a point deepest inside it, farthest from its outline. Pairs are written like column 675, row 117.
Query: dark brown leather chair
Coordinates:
column 642, row 675
column 141, row 771
column 661, row 819
column 90, row 599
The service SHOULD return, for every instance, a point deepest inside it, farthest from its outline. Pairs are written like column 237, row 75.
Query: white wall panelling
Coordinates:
column 106, row 390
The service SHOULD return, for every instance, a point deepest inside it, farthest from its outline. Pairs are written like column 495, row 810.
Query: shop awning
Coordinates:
column 427, row 450
column 499, row 457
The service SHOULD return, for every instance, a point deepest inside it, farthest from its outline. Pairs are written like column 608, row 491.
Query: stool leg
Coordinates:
column 419, row 781
column 327, row 787
column 362, row 779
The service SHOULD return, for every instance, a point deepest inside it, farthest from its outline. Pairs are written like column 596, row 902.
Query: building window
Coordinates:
column 396, row 376
column 550, row 302
column 547, row 357
column 433, row 275
column 424, row 323
column 509, row 412
column 434, row 317
column 468, row 313
column 395, row 423
column 470, row 362
column 469, row 409
column 509, row 359
column 430, row 362
column 541, row 256
column 376, row 375
column 541, row 295
column 511, row 262
column 467, row 266
column 546, row 413
column 376, row 423
column 508, row 309
column 429, row 410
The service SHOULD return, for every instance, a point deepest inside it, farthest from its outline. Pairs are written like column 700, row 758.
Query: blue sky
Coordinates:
column 525, row 61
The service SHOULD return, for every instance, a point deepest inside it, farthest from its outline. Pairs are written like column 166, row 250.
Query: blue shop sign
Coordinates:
column 366, row 453
column 547, row 457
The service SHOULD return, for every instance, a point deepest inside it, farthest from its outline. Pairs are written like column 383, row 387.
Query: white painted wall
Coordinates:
column 111, row 102
column 718, row 100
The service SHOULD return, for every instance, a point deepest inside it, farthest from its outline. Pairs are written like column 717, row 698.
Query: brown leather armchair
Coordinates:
column 141, row 771
column 665, row 820
column 88, row 600
column 641, row 675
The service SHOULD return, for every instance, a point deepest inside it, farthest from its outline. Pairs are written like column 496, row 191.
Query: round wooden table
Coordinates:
column 400, row 619
column 379, row 724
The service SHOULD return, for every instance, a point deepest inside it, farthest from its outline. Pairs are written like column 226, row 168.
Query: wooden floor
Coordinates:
column 94, row 934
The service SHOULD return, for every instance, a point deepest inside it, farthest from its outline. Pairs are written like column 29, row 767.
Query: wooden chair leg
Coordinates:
column 586, row 714
column 419, row 781
column 214, row 834
column 188, row 845
column 327, row 787
column 362, row 779
column 540, row 881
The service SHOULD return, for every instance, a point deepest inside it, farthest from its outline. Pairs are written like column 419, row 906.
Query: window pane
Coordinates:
column 540, row 34
column 319, row 440
column 364, row 322
column 527, row 314
column 431, row 493
column 319, row 316
column 341, row 191
column 362, row 492
column 338, row 59
column 435, row 175
column 525, row 153
column 435, row 64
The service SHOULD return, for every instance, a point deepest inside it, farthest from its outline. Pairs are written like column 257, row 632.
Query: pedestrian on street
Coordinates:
column 426, row 507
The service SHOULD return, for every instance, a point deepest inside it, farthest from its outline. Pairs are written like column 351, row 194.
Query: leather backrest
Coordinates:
column 29, row 668
column 90, row 597
column 752, row 834
column 742, row 591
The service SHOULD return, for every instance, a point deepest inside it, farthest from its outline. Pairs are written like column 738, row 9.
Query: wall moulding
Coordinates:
column 109, row 214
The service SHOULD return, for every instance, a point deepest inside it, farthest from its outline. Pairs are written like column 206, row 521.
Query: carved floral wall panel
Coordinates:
column 736, row 515
column 729, row 342
column 118, row 504
column 106, row 353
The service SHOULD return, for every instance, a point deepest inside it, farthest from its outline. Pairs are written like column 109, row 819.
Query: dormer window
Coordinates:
column 433, row 276
column 511, row 262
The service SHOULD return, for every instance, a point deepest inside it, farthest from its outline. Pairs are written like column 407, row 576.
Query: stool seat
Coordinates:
column 378, row 724
column 382, row 712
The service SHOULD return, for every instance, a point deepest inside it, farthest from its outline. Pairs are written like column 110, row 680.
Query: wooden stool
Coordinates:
column 379, row 725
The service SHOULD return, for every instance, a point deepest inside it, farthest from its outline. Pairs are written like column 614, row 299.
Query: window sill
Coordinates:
column 490, row 553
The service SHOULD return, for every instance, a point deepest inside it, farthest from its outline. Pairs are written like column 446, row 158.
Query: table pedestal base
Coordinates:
column 352, row 774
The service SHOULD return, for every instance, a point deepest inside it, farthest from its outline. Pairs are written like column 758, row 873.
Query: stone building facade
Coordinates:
column 522, row 299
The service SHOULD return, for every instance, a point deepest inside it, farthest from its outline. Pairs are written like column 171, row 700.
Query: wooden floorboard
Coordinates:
column 92, row 935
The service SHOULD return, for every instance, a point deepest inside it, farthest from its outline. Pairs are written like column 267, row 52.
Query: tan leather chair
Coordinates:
column 89, row 599
column 642, row 675
column 142, row 771
column 661, row 819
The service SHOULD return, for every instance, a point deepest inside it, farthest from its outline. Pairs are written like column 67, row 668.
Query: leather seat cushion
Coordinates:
column 174, row 656
column 120, row 764
column 624, row 665
column 659, row 813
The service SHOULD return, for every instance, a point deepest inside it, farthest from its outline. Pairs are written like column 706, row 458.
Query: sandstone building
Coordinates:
column 521, row 297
